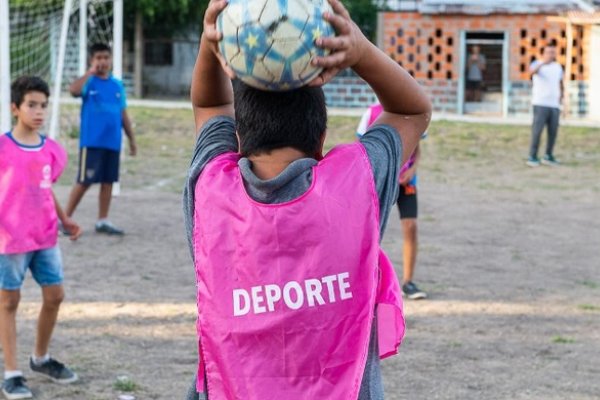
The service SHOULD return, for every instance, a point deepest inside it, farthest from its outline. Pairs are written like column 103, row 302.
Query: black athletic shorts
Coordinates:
column 473, row 85
column 407, row 201
column 98, row 166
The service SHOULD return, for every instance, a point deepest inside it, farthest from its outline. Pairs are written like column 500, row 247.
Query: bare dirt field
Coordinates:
column 510, row 257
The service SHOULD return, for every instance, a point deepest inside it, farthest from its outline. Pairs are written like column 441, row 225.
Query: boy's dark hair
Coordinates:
column 272, row 120
column 26, row 84
column 98, row 47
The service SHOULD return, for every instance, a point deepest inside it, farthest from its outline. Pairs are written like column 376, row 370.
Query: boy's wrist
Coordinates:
column 365, row 60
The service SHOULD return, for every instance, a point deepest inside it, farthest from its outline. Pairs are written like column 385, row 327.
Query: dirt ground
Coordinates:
column 509, row 256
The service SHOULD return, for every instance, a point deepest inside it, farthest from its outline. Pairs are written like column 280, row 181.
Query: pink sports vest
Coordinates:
column 28, row 220
column 375, row 111
column 287, row 292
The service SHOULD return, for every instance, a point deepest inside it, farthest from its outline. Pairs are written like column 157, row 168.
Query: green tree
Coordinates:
column 159, row 19
column 364, row 13
column 162, row 19
column 166, row 17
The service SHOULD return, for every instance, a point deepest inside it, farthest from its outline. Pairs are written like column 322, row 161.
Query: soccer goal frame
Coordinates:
column 5, row 63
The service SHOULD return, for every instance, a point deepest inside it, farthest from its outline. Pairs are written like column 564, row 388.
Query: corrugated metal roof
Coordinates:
column 502, row 6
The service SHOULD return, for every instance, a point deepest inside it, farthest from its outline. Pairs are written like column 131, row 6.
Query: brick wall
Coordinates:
column 578, row 99
column 443, row 94
column 348, row 91
column 428, row 45
column 353, row 92
column 519, row 97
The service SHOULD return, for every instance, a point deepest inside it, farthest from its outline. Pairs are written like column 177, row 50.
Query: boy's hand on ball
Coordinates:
column 346, row 47
column 212, row 35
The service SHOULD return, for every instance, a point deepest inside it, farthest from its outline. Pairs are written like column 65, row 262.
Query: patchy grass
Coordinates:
column 588, row 307
column 125, row 384
column 562, row 340
column 589, row 284
column 166, row 140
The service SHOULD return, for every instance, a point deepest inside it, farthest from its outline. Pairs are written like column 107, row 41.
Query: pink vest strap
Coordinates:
column 376, row 110
column 287, row 292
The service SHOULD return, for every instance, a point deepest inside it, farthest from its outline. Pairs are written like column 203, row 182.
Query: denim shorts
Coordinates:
column 45, row 265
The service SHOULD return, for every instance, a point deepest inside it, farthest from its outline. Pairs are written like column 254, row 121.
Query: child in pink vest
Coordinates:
column 407, row 207
column 296, row 300
column 29, row 164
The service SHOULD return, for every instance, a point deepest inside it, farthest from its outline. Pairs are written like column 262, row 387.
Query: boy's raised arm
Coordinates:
column 406, row 106
column 76, row 87
column 211, row 92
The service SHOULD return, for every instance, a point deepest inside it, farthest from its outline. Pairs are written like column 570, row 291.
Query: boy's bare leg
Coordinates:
column 410, row 247
column 52, row 296
column 75, row 197
column 9, row 302
column 104, row 200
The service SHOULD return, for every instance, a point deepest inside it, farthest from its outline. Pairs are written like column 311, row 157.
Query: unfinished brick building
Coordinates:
column 431, row 39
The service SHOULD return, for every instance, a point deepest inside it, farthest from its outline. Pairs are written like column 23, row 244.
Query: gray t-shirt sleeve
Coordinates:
column 384, row 150
column 216, row 137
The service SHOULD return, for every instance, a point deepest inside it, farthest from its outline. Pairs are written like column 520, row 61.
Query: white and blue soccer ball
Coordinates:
column 270, row 43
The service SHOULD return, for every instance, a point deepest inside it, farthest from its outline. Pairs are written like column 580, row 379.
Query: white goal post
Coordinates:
column 40, row 36
column 4, row 67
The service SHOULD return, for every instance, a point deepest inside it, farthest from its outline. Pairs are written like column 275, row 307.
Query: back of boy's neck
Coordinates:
column 269, row 165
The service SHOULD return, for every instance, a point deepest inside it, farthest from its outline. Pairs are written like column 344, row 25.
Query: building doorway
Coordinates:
column 484, row 73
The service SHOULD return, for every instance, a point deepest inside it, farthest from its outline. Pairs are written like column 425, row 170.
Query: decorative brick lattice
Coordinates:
column 424, row 46
column 428, row 45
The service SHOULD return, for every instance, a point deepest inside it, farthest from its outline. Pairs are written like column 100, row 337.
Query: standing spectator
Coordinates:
column 546, row 97
column 103, row 114
column 476, row 66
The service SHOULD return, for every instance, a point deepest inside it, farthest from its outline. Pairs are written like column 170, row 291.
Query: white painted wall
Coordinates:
column 594, row 89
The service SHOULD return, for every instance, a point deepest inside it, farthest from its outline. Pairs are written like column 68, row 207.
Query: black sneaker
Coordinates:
column 54, row 370
column 108, row 228
column 550, row 160
column 15, row 388
column 533, row 162
column 411, row 291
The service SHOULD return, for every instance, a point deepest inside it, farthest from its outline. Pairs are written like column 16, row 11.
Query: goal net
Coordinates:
column 49, row 39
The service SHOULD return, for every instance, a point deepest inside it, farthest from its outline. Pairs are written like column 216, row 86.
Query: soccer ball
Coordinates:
column 269, row 44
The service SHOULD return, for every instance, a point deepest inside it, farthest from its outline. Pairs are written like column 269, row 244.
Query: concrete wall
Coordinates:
column 172, row 80
column 594, row 87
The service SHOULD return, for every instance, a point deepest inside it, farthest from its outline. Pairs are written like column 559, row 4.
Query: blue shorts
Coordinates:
column 45, row 265
column 98, row 166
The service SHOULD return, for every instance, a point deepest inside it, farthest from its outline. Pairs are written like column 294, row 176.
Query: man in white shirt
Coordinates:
column 546, row 97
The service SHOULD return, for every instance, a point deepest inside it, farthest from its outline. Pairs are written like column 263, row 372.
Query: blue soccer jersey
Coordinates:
column 101, row 121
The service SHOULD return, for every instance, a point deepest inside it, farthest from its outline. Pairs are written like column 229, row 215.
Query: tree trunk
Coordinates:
column 138, row 89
